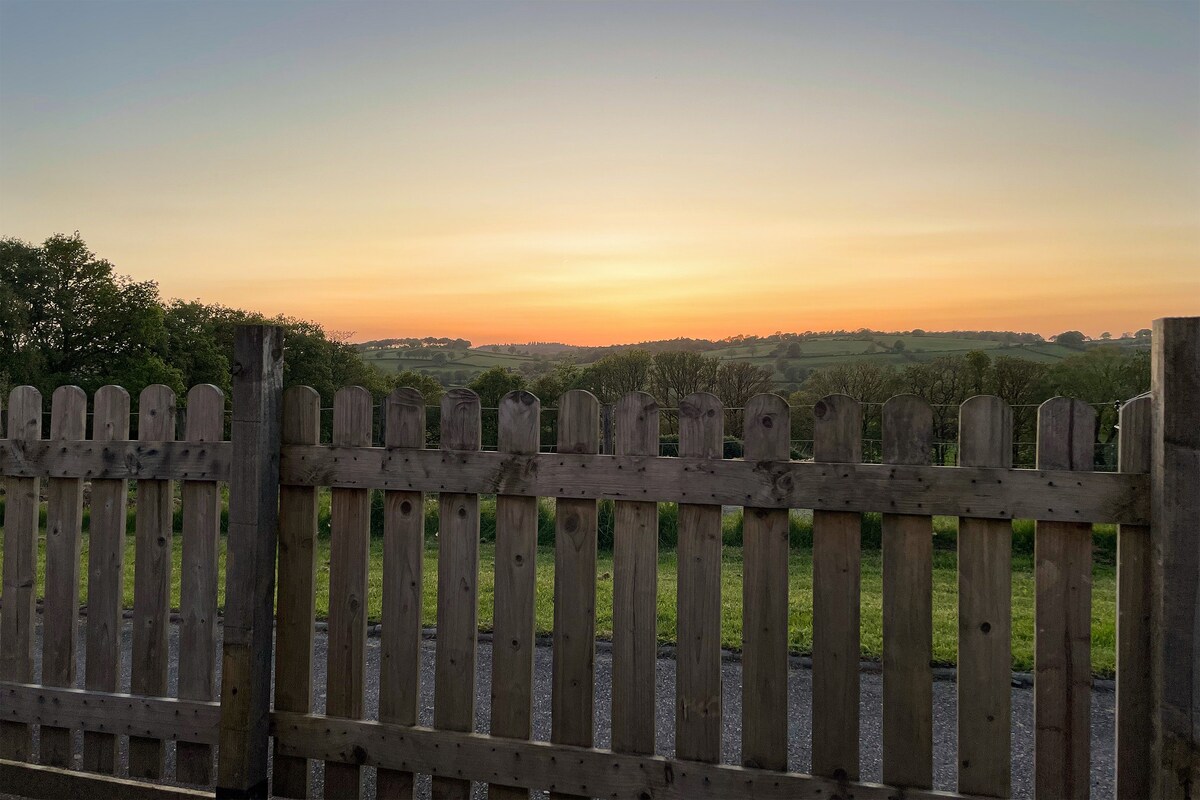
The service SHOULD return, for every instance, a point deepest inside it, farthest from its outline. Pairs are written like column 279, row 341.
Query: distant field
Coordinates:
column 453, row 366
column 472, row 361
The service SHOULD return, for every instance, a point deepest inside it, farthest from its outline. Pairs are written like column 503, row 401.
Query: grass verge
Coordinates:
column 945, row 605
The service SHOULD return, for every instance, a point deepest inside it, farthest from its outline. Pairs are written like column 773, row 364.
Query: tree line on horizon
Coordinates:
column 67, row 317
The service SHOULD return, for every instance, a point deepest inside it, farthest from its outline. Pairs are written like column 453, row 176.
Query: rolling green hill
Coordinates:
column 789, row 360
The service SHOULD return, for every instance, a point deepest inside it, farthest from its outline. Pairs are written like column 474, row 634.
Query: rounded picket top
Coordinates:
column 156, row 413
column 301, row 395
column 205, row 413
column 1133, row 426
column 110, row 414
column 404, row 418
column 461, row 420
column 637, row 425
column 907, row 430
column 1066, row 434
column 837, row 429
column 301, row 415
column 578, row 422
column 352, row 417
column 520, row 416
column 768, row 428
column 985, row 432
column 701, row 426
column 68, row 413
column 24, row 413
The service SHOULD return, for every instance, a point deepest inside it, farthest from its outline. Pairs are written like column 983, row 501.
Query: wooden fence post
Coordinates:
column 250, row 572
column 1175, row 487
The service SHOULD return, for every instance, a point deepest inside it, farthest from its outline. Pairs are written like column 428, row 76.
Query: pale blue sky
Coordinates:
column 619, row 170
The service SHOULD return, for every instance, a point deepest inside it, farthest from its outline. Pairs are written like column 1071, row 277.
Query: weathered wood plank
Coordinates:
column 458, row 587
column 116, row 459
column 153, row 532
column 1175, row 641
column 698, row 652
column 837, row 542
column 295, row 608
column 985, row 432
column 1135, row 611
column 765, row 597
column 106, row 575
column 573, row 670
column 52, row 783
column 1063, row 611
column 250, row 562
column 907, row 608
column 60, row 610
column 635, row 587
column 349, row 552
column 955, row 491
column 516, row 558
column 22, row 496
column 571, row 770
column 403, row 551
column 198, row 581
column 110, row 712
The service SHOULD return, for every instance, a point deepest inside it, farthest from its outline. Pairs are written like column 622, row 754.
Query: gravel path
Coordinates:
column 800, row 725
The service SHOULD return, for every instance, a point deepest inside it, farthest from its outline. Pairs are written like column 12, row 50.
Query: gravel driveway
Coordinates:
column 800, row 725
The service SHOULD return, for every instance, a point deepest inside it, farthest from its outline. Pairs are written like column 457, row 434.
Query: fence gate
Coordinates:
column 276, row 466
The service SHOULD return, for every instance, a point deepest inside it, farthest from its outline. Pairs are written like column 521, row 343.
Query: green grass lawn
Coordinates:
column 800, row 623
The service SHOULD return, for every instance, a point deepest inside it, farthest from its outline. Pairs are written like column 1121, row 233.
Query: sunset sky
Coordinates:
column 605, row 172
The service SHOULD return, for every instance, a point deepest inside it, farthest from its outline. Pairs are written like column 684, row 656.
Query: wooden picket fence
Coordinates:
column 275, row 464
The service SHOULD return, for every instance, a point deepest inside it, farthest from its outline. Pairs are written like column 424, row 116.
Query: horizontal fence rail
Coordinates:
column 996, row 493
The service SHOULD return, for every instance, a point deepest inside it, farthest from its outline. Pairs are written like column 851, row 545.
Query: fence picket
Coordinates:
column 837, row 544
column 1135, row 703
column 198, row 580
column 60, row 610
column 106, row 572
column 20, row 569
column 985, row 432
column 698, row 654
column 301, row 424
column 635, row 587
column 1063, row 610
column 575, row 543
column 403, row 549
column 458, row 587
column 516, row 559
column 350, row 532
column 153, row 530
column 907, row 608
column 765, row 596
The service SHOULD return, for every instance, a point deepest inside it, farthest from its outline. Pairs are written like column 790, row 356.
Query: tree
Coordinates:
column 1073, row 339
column 68, row 317
column 898, row 347
column 1106, row 335
column 865, row 381
column 678, row 374
column 618, row 374
column 793, row 350
column 978, row 365
column 428, row 386
column 493, row 384
column 554, row 384
column 738, row 381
